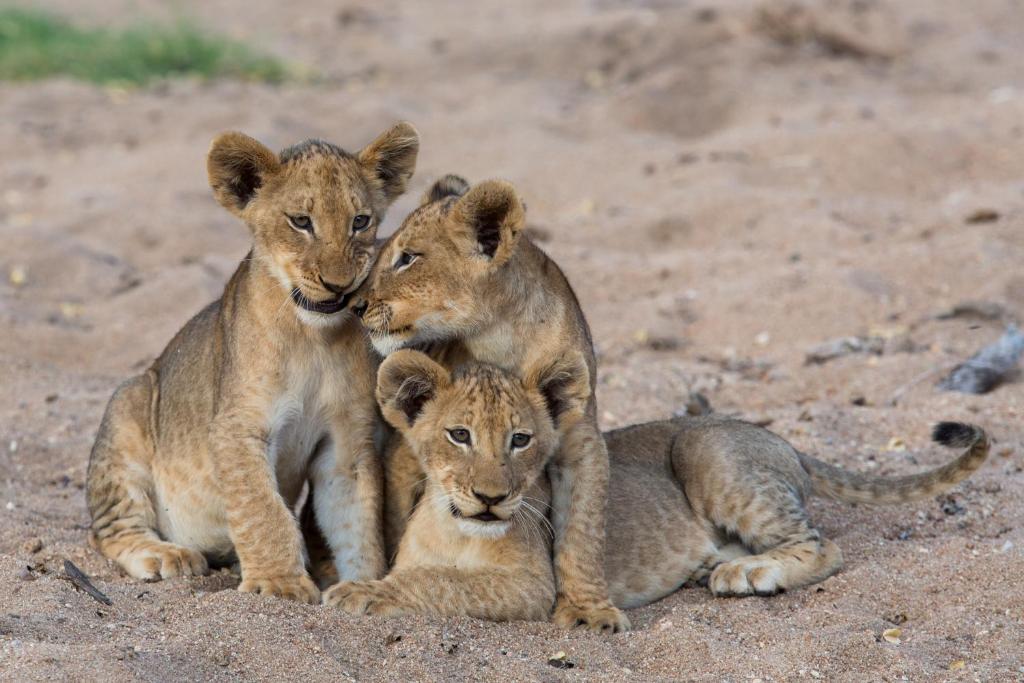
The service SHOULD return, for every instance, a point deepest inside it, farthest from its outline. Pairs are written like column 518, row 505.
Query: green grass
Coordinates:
column 35, row 45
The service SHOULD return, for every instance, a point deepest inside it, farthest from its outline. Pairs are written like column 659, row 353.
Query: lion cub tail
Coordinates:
column 832, row 482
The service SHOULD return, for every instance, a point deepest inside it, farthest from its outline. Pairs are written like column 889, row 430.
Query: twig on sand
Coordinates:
column 898, row 394
column 81, row 581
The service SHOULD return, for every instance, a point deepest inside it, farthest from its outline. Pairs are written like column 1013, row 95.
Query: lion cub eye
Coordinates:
column 301, row 223
column 360, row 223
column 520, row 440
column 405, row 259
column 459, row 435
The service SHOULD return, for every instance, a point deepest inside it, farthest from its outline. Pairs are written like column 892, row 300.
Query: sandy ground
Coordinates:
column 726, row 184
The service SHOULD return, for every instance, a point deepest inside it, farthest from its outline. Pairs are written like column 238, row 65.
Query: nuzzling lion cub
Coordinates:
column 460, row 276
column 690, row 498
column 203, row 456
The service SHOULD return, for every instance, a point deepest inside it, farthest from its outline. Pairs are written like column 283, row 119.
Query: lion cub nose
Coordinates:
column 489, row 500
column 360, row 308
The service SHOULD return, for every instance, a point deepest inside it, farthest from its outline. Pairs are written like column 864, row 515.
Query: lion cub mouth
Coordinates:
column 326, row 307
column 485, row 516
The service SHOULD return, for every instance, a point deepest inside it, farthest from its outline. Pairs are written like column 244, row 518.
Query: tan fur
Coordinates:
column 204, row 456
column 460, row 276
column 691, row 499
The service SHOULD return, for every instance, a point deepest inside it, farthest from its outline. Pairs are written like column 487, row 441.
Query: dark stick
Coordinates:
column 78, row 577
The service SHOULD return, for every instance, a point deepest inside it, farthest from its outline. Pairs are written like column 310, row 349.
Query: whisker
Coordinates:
column 538, row 501
column 540, row 517
column 526, row 523
column 533, row 530
column 280, row 308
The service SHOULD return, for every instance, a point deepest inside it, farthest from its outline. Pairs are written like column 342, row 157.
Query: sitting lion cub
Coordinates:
column 203, row 456
column 692, row 498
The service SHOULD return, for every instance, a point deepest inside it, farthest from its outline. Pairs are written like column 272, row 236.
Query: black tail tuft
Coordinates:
column 955, row 434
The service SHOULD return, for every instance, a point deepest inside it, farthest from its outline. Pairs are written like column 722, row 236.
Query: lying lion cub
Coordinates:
column 690, row 499
column 204, row 455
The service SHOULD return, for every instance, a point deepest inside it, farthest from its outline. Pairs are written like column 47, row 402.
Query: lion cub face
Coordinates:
column 482, row 435
column 430, row 279
column 314, row 209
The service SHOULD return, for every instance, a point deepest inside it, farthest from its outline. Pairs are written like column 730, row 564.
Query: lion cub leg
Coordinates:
column 263, row 529
column 404, row 482
column 347, row 482
column 747, row 484
column 120, row 491
column 492, row 593
column 320, row 559
column 789, row 553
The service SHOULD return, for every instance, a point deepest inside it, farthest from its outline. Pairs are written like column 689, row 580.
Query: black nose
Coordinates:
column 360, row 308
column 335, row 289
column 488, row 500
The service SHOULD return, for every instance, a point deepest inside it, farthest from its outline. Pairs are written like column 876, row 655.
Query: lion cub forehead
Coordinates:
column 322, row 170
column 427, row 217
column 491, row 391
column 316, row 159
column 308, row 150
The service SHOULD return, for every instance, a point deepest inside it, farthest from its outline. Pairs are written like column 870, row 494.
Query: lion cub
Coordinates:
column 461, row 276
column 203, row 456
column 691, row 499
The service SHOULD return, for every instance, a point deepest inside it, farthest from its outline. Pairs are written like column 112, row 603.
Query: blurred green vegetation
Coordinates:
column 36, row 45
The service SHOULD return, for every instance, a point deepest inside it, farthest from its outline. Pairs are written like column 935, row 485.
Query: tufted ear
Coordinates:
column 494, row 216
column 449, row 186
column 392, row 158
column 237, row 166
column 406, row 381
column 564, row 384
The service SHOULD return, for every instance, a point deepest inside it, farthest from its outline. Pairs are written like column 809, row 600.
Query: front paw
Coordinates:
column 601, row 617
column 297, row 587
column 362, row 597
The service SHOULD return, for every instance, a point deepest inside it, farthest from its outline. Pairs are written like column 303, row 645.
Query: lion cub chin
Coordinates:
column 202, row 458
column 706, row 499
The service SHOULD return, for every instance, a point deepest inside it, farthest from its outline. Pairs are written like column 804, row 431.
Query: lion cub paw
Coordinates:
column 298, row 587
column 165, row 561
column 362, row 597
column 747, row 576
column 603, row 618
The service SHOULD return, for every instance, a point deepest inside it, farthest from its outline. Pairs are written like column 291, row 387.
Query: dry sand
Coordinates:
column 727, row 184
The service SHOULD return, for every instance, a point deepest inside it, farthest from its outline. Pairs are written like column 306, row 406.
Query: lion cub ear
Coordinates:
column 449, row 186
column 564, row 384
column 406, row 381
column 237, row 166
column 494, row 215
column 391, row 158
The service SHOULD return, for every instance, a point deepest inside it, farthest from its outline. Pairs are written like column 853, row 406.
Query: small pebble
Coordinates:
column 17, row 276
column 560, row 660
